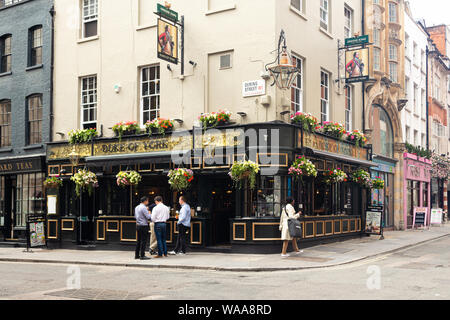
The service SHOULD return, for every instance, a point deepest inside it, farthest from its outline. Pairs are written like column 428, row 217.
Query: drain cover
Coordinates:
column 97, row 294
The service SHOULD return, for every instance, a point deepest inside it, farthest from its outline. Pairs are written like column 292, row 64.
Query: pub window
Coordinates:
column 89, row 18
column 29, row 197
column 34, row 104
column 5, row 53
column 297, row 87
column 348, row 108
column 35, row 46
column 2, row 201
column 150, row 93
column 324, row 96
column 5, row 123
column 89, row 102
column 425, row 201
column 270, row 196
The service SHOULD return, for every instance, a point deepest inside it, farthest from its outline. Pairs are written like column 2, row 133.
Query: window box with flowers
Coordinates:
column 241, row 171
column 53, row 182
column 333, row 129
column 214, row 119
column 84, row 180
column 180, row 179
column 357, row 137
column 159, row 126
column 302, row 167
column 306, row 120
column 82, row 136
column 335, row 176
column 126, row 129
column 128, row 178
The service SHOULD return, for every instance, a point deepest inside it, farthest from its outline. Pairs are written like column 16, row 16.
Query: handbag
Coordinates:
column 294, row 227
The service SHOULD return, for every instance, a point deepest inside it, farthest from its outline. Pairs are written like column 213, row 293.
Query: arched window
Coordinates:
column 383, row 135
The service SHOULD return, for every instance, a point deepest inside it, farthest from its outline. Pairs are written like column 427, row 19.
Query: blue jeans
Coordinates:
column 160, row 230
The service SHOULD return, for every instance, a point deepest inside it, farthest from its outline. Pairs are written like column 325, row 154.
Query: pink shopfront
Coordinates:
column 416, row 187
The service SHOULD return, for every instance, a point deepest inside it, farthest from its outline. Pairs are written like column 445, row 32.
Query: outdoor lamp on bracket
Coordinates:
column 282, row 70
column 74, row 157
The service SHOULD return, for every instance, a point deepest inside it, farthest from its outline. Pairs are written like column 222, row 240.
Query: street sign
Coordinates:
column 166, row 13
column 357, row 41
column 253, row 88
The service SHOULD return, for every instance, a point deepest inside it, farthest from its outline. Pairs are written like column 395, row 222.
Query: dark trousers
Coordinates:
column 181, row 239
column 160, row 230
column 142, row 236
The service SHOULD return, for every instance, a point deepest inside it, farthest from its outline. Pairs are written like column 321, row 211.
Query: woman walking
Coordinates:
column 288, row 212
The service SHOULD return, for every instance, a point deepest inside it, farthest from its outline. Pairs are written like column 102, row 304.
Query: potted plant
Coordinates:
column 335, row 176
column 82, row 136
column 84, row 180
column 378, row 183
column 308, row 121
column 53, row 182
column 357, row 137
column 302, row 167
column 159, row 126
column 333, row 129
column 214, row 119
column 180, row 179
column 362, row 177
column 128, row 178
column 243, row 170
column 126, row 128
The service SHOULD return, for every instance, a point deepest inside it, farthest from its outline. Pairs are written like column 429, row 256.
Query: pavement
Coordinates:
column 321, row 256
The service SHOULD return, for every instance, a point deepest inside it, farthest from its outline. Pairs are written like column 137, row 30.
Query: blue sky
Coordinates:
column 433, row 11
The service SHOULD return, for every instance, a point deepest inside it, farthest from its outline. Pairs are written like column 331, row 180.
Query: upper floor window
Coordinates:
column 324, row 14
column 393, row 13
column 297, row 87
column 376, row 37
column 35, row 54
column 89, row 102
column 406, row 44
column 90, row 18
column 393, row 52
column 376, row 59
column 348, row 108
column 393, row 71
column 348, row 22
column 297, row 4
column 437, row 87
column 34, row 104
column 5, row 123
column 150, row 93
column 5, row 53
column 324, row 96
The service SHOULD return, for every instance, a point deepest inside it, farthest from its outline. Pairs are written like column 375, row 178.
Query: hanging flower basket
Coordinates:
column 335, row 176
column 82, row 136
column 333, row 129
column 307, row 120
column 242, row 171
column 377, row 184
column 302, row 167
column 53, row 183
column 128, row 178
column 214, row 119
column 357, row 137
column 126, row 128
column 362, row 178
column 180, row 179
column 85, row 180
column 159, row 126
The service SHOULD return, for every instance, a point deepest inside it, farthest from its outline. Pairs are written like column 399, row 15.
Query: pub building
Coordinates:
column 224, row 218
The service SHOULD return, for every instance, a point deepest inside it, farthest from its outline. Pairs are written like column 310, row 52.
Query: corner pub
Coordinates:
column 224, row 218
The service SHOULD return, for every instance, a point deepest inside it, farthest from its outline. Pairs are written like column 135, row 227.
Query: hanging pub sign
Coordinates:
column 167, row 42
column 166, row 13
column 357, row 65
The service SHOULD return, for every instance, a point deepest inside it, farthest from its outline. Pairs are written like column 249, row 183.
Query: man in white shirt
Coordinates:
column 160, row 214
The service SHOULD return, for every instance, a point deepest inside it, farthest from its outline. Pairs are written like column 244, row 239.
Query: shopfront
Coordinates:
column 223, row 217
column 384, row 169
column 21, row 193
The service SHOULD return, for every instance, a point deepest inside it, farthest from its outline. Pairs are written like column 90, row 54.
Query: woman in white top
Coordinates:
column 288, row 212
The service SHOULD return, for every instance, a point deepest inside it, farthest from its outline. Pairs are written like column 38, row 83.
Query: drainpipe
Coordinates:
column 363, row 90
column 428, row 100
column 52, row 67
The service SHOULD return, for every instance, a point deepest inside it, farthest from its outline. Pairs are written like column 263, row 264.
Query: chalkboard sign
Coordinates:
column 420, row 217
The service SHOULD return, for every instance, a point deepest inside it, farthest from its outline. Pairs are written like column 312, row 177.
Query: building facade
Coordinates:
column 25, row 107
column 107, row 70
column 384, row 98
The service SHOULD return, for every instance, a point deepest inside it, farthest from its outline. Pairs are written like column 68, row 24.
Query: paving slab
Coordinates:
column 322, row 256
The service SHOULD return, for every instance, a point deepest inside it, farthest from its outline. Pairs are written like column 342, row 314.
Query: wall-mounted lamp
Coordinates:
column 194, row 64
column 61, row 134
column 169, row 68
column 179, row 121
column 242, row 114
column 283, row 113
column 117, row 88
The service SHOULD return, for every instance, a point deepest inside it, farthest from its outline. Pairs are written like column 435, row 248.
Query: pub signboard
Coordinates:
column 14, row 166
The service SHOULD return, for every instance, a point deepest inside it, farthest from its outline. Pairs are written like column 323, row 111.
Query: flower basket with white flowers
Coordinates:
column 362, row 178
column 243, row 170
column 302, row 167
column 335, row 176
column 84, row 180
column 159, row 126
column 307, row 120
column 180, row 179
column 128, row 178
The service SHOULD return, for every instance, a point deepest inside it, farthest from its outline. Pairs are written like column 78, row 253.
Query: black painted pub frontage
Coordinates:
column 223, row 217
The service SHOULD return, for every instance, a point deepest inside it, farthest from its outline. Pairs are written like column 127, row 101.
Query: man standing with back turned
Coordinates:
column 142, row 216
column 160, row 215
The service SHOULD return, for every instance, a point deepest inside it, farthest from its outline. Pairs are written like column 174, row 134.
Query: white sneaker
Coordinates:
column 298, row 252
column 172, row 253
column 181, row 254
column 285, row 256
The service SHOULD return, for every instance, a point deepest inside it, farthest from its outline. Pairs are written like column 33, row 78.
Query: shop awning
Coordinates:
column 340, row 157
column 176, row 157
